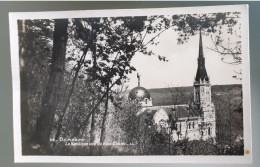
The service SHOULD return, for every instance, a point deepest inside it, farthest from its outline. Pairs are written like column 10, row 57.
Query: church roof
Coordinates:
column 175, row 112
column 201, row 71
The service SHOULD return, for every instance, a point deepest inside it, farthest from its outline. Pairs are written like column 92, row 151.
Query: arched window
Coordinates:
column 145, row 101
column 193, row 125
column 189, row 125
column 209, row 130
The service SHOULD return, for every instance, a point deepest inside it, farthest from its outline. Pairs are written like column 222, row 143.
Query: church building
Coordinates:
column 186, row 121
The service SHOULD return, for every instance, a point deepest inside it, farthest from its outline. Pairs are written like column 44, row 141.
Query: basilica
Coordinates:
column 184, row 121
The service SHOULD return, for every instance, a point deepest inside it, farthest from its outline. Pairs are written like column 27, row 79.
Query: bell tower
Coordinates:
column 202, row 96
column 202, row 86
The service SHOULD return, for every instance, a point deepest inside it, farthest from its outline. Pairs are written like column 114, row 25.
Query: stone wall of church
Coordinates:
column 210, row 120
column 146, row 102
column 188, row 129
column 202, row 94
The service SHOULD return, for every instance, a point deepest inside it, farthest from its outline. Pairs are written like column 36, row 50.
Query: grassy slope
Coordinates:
column 163, row 96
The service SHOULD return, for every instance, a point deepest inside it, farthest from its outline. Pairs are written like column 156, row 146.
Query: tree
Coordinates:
column 25, row 118
column 137, row 128
column 229, row 124
column 35, row 43
column 51, row 94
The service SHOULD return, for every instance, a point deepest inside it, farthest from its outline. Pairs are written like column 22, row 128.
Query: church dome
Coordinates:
column 139, row 93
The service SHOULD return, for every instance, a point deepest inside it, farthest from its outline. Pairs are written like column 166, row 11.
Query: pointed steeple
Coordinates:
column 201, row 55
column 201, row 71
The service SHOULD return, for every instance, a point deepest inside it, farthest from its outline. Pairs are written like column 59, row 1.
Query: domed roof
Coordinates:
column 139, row 93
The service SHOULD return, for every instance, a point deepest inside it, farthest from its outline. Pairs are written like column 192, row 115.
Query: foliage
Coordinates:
column 229, row 115
column 35, row 62
column 207, row 147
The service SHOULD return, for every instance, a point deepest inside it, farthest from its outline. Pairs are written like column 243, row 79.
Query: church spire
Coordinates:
column 201, row 71
column 201, row 55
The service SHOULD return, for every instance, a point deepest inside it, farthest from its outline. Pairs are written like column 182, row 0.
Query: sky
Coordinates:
column 181, row 68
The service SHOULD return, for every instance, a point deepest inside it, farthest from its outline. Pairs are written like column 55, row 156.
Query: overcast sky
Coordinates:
column 181, row 68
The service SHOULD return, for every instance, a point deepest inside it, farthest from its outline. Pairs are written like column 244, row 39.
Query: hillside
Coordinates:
column 165, row 96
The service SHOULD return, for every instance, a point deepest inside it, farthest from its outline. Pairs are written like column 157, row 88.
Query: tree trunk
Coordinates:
column 51, row 94
column 92, row 132
column 92, row 126
column 102, row 137
column 25, row 112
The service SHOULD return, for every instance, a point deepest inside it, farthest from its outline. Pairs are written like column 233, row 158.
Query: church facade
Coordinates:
column 187, row 121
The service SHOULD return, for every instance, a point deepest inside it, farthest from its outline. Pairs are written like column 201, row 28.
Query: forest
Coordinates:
column 74, row 75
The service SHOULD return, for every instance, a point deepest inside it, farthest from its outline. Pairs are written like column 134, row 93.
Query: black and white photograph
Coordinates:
column 132, row 84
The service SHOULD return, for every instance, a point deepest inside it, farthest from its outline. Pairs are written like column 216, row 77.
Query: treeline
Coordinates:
column 162, row 96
